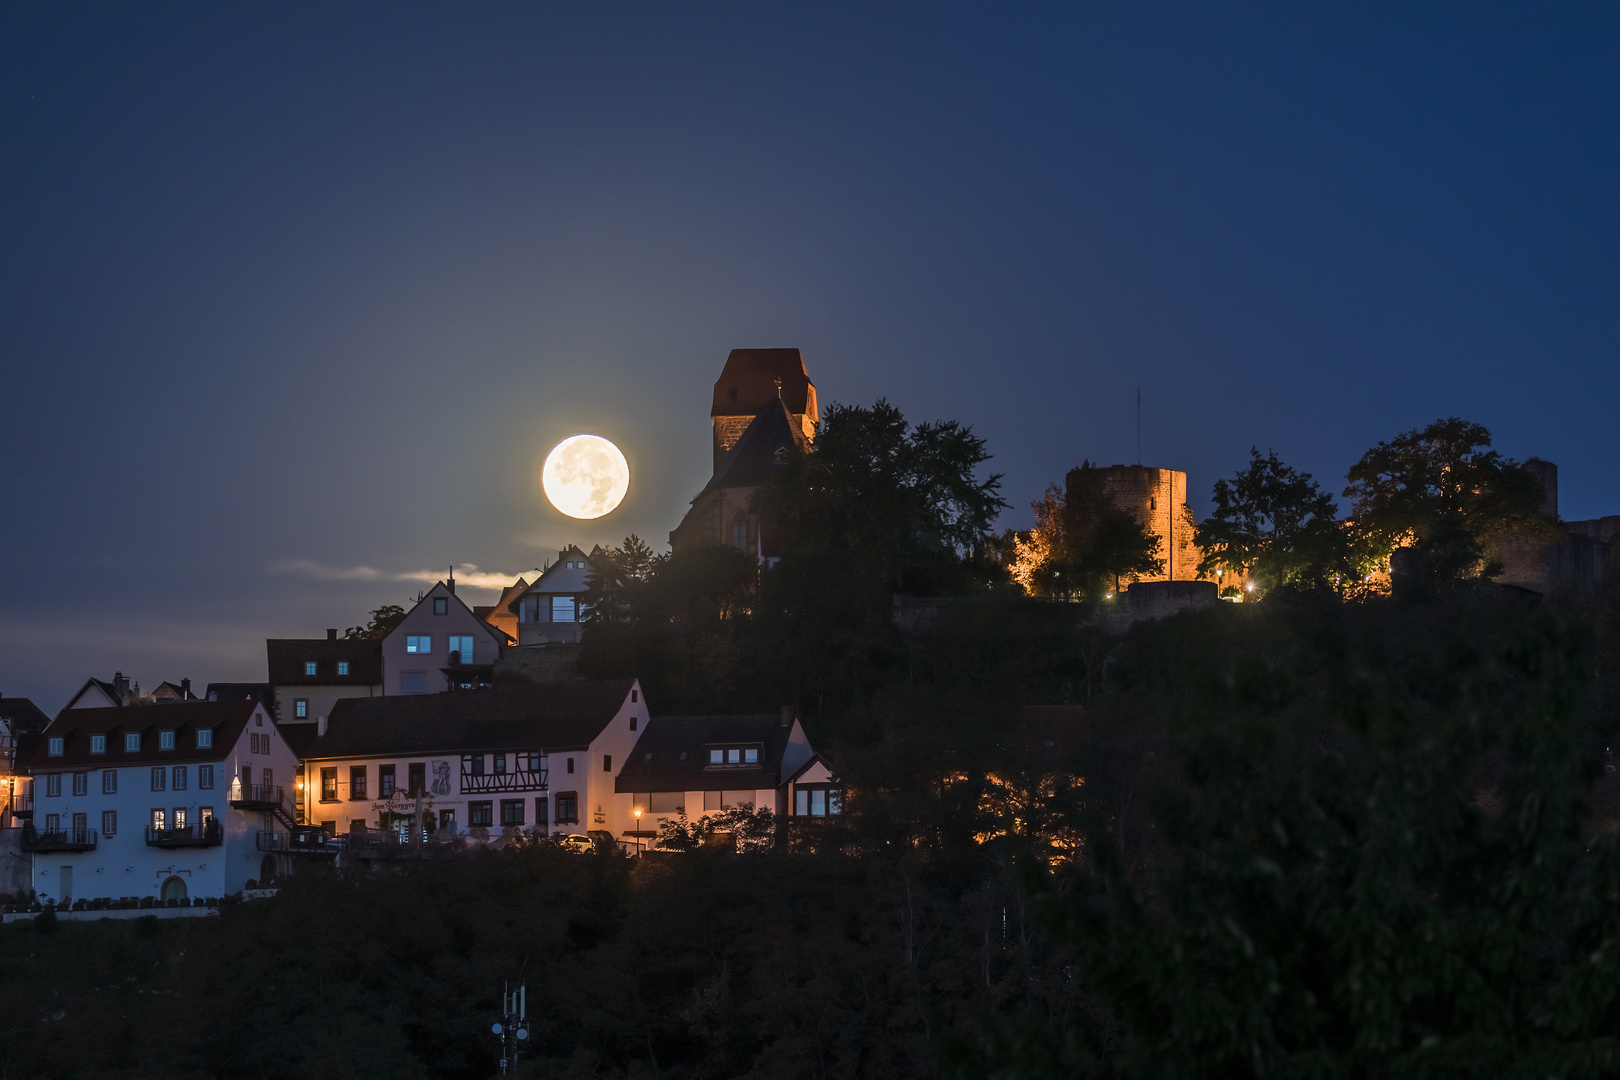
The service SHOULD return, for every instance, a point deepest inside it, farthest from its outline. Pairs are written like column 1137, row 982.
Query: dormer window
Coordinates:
column 98, row 744
column 441, row 605
column 343, row 667
column 165, row 740
column 205, row 738
column 132, row 742
column 733, row 756
column 309, row 667
column 56, row 746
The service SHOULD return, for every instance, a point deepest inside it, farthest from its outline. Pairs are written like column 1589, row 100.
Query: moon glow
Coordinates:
column 585, row 476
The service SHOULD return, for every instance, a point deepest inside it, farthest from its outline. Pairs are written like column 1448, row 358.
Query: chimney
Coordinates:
column 451, row 584
column 331, row 634
column 120, row 687
column 320, row 726
column 185, row 689
column 787, row 716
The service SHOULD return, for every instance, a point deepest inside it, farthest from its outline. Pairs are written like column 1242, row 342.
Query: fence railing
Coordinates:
column 206, row 834
column 70, row 839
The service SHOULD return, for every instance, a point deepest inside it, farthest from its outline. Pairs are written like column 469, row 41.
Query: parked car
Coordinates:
column 576, row 842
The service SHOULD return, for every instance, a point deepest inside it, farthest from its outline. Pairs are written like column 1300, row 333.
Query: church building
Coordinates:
column 764, row 406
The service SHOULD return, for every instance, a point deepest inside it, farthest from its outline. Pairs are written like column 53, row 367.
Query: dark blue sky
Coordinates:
column 294, row 298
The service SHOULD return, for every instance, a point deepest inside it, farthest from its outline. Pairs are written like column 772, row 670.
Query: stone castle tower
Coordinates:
column 749, row 383
column 1157, row 498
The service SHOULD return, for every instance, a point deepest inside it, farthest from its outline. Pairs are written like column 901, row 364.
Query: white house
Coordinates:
column 174, row 801
column 440, row 645
column 548, row 611
column 534, row 756
column 698, row 765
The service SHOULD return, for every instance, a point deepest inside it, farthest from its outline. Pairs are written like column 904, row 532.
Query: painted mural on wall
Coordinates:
column 441, row 777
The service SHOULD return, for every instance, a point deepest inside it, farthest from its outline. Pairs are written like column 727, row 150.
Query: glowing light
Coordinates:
column 1250, row 586
column 585, row 476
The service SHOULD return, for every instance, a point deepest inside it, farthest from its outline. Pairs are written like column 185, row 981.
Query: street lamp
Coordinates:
column 638, row 829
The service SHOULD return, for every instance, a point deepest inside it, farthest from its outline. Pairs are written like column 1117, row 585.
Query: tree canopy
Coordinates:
column 1276, row 525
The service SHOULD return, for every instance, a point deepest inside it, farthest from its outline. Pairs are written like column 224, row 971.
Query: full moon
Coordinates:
column 585, row 476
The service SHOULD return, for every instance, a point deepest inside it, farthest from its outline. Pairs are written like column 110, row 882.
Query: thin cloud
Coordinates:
column 467, row 574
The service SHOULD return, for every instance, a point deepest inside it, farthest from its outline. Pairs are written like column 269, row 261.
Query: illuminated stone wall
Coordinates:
column 1157, row 498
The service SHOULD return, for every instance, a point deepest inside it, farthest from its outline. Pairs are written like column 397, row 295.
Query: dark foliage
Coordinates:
column 1278, row 526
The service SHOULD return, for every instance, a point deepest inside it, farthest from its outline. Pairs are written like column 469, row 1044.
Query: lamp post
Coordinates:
column 638, row 830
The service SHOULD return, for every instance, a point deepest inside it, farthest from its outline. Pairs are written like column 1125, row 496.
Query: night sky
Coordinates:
column 295, row 298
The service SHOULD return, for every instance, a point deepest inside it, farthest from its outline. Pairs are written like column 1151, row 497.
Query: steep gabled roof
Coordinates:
column 759, row 452
column 672, row 754
column 747, row 383
column 544, row 716
column 559, row 578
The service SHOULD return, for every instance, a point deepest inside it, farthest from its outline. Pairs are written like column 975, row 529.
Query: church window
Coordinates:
column 739, row 533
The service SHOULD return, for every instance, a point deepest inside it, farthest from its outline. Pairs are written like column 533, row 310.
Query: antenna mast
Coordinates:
column 1139, row 423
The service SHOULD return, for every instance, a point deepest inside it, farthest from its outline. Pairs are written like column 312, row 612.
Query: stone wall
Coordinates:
column 1157, row 498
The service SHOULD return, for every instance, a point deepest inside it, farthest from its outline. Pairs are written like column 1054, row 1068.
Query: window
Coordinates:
column 179, row 817
column 717, row 757
column 385, row 781
column 53, row 822
column 53, row 786
column 634, row 696
column 205, row 777
column 567, row 807
column 441, row 605
column 667, row 802
column 750, row 755
column 329, row 785
column 329, row 828
column 165, row 740
column 562, row 609
column 301, row 708
column 179, row 779
column 205, row 738
column 447, row 821
column 511, row 812
column 413, row 682
column 160, row 778
column 818, row 800
column 416, row 777
column 473, row 765
column 269, row 779
column 357, row 781
column 530, row 761
column 343, row 667
column 419, row 643
column 607, row 762
column 309, row 667
column 461, row 648
column 109, row 781
column 540, row 819
column 632, row 722
column 132, row 742
column 98, row 744
column 56, row 746
column 733, row 757
column 109, row 823
column 739, row 534
column 481, row 813
column 205, row 814
column 500, row 763
column 81, row 783
column 570, row 765
column 160, row 820
column 258, row 719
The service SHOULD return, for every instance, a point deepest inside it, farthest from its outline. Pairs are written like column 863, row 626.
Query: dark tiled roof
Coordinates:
column 656, row 763
column 543, row 716
column 747, row 383
column 22, row 714
column 756, row 453
column 287, row 657
column 237, row 691
column 184, row 718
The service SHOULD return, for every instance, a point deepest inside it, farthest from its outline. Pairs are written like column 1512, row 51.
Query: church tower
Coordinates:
column 748, row 385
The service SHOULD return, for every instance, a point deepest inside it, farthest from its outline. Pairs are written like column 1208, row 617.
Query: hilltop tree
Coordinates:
column 1444, row 491
column 1082, row 542
column 1277, row 525
column 383, row 621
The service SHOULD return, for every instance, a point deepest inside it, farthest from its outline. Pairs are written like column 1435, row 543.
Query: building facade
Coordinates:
column 310, row 675
column 175, row 801
column 439, row 646
column 548, row 612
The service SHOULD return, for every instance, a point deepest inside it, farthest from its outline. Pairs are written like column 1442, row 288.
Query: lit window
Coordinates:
column 56, row 746
column 132, row 742
column 98, row 744
column 159, row 820
column 422, row 643
column 301, row 708
column 562, row 609
column 343, row 667
column 205, row 738
column 165, row 740
column 441, row 605
column 461, row 648
column 309, row 667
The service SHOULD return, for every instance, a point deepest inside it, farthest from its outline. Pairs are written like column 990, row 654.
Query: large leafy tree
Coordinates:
column 1444, row 492
column 383, row 621
column 1277, row 525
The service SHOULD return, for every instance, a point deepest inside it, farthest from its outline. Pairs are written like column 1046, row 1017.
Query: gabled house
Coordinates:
column 502, row 614
column 309, row 675
column 440, row 646
column 548, row 612
column 98, row 694
column 697, row 765
column 537, row 756
column 180, row 801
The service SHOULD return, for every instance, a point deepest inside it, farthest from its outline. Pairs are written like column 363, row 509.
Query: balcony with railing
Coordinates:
column 72, row 839
column 22, row 804
column 299, row 841
column 207, row 834
column 502, row 783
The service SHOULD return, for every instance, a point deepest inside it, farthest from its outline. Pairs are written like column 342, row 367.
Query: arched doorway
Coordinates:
column 173, row 889
column 267, row 871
